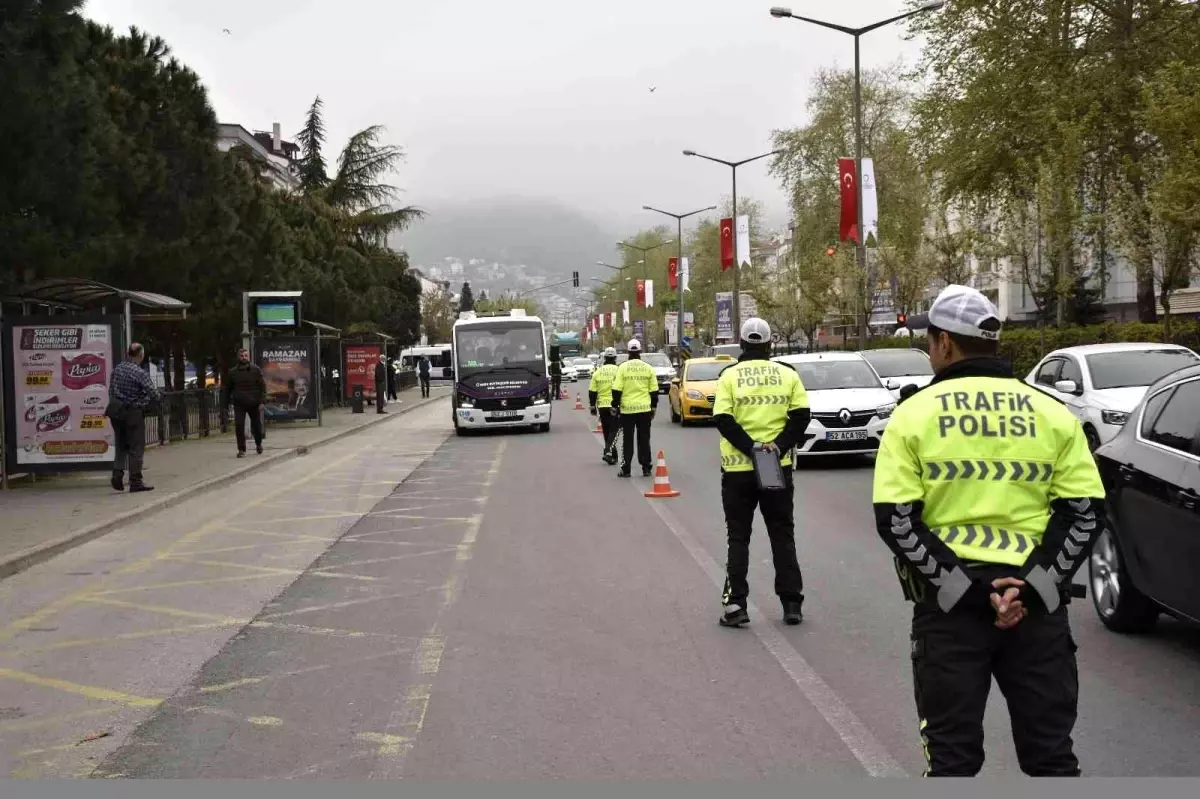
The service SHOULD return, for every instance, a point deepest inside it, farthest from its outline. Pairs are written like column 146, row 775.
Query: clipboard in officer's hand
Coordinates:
column 768, row 469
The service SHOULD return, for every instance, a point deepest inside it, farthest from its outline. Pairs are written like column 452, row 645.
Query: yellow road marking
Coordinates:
column 226, row 686
column 330, row 632
column 391, row 515
column 113, row 639
column 178, row 584
column 346, row 604
column 395, row 557
column 273, row 534
column 429, row 654
column 165, row 610
column 89, row 691
column 388, row 744
column 265, row 721
column 48, row 610
column 269, row 570
column 15, row 725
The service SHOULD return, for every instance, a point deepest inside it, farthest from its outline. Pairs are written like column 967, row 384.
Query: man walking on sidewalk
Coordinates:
column 381, row 384
column 129, row 395
column 423, row 373
column 391, row 378
column 246, row 389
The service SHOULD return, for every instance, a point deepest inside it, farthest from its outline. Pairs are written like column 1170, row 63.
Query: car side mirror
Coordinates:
column 1066, row 387
column 892, row 385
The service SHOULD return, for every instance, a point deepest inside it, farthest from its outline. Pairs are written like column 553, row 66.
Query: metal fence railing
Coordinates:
column 180, row 415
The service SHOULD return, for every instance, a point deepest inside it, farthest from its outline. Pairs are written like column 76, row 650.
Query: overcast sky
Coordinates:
column 544, row 98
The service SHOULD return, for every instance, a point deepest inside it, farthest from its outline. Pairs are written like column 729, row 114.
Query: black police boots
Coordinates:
column 793, row 613
column 735, row 616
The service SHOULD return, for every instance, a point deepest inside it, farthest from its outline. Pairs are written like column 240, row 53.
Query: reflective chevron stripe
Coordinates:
column 982, row 536
column 951, row 583
column 1081, row 532
column 990, row 470
column 735, row 460
column 761, row 399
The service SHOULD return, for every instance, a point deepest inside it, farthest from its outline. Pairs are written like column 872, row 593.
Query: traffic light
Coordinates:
column 575, row 279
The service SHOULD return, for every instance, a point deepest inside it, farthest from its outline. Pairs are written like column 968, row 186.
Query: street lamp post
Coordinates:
column 860, row 249
column 645, row 251
column 679, row 223
column 733, row 165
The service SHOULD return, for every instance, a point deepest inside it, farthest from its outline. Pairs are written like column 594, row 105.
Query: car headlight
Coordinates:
column 694, row 394
column 541, row 398
column 884, row 411
column 1114, row 417
column 465, row 402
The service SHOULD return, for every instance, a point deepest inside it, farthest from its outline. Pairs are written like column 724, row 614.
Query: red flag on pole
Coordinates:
column 726, row 243
column 673, row 272
column 848, row 229
column 641, row 293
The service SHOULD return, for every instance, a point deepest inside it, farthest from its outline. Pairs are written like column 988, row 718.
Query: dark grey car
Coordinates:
column 1147, row 561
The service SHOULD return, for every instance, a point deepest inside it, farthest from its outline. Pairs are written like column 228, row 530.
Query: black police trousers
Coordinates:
column 740, row 496
column 609, row 425
column 636, row 425
column 954, row 658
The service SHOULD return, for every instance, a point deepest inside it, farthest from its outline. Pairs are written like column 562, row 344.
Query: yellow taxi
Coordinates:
column 692, row 394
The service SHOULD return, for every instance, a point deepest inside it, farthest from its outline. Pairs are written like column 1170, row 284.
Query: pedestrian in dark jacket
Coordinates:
column 381, row 384
column 245, row 389
column 130, row 393
column 423, row 373
column 391, row 378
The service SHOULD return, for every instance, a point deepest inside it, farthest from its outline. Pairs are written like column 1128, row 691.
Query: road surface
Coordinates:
column 412, row 604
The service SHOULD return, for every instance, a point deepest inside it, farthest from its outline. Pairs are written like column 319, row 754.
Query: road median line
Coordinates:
column 40, row 553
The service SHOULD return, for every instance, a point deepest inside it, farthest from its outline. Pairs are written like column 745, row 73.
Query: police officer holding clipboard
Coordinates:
column 761, row 411
column 987, row 495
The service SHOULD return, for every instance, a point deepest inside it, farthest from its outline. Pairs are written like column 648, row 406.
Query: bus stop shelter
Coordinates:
column 61, row 339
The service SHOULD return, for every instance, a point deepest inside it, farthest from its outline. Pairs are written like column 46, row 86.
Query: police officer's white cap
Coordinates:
column 634, row 345
column 962, row 310
column 756, row 331
column 610, row 352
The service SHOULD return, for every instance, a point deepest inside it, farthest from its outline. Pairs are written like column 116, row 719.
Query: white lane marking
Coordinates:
column 865, row 747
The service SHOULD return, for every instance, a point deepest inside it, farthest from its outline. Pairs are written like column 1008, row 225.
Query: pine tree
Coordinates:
column 466, row 301
column 312, row 165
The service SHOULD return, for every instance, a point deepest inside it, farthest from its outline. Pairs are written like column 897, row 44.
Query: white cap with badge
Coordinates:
column 756, row 331
column 961, row 310
column 634, row 345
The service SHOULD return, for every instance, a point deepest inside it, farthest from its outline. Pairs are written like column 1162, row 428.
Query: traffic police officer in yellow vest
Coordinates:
column 988, row 496
column 600, row 397
column 759, row 404
column 635, row 396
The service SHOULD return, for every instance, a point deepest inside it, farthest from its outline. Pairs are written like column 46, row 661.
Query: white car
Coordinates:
column 569, row 373
column 1103, row 383
column 850, row 405
column 899, row 368
column 583, row 366
column 664, row 372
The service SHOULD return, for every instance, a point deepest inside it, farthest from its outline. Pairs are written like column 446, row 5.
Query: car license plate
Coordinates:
column 846, row 435
column 505, row 414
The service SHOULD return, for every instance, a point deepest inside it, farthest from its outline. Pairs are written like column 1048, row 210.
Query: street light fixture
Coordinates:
column 679, row 222
column 733, row 165
column 860, row 250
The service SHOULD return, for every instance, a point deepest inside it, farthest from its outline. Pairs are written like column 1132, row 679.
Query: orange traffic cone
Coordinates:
column 662, row 481
column 599, row 427
column 579, row 403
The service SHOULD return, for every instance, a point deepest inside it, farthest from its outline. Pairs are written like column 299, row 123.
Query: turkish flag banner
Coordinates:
column 641, row 293
column 612, row 319
column 726, row 243
column 673, row 272
column 848, row 229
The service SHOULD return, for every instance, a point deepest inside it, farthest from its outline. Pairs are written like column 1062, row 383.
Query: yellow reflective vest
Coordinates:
column 758, row 394
column 602, row 384
column 636, row 381
column 986, row 455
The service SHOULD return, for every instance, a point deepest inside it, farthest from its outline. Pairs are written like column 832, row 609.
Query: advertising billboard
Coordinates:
column 56, row 375
column 360, row 368
column 289, row 366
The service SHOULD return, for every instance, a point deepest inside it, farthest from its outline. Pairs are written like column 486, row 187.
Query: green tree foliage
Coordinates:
column 110, row 171
column 1052, row 105
column 466, row 298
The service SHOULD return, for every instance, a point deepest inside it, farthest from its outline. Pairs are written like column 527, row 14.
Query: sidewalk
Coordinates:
column 46, row 517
